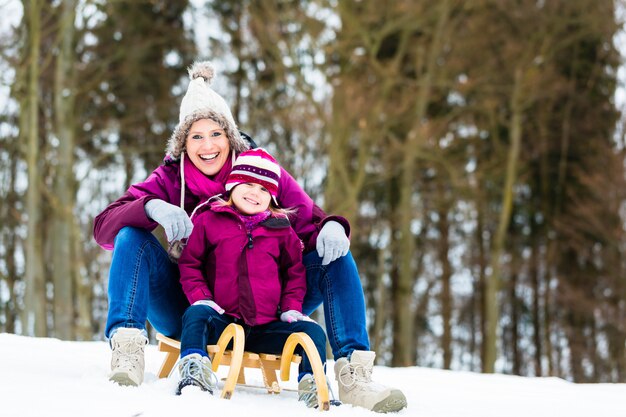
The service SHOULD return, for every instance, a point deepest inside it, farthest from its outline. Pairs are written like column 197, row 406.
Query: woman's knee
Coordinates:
column 315, row 332
column 130, row 235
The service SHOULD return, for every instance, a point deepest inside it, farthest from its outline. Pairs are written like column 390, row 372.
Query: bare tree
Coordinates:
column 64, row 270
column 35, row 298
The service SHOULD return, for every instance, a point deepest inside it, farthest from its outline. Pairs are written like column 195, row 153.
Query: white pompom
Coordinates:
column 202, row 69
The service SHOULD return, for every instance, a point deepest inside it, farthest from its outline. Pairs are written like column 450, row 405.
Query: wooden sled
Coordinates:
column 237, row 359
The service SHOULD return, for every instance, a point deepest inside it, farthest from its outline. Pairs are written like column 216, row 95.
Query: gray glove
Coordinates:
column 332, row 242
column 210, row 303
column 174, row 220
column 293, row 315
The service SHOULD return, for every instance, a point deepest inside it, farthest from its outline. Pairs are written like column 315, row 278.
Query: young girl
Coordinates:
column 243, row 264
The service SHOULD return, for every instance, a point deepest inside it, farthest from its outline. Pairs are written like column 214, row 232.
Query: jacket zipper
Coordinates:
column 250, row 244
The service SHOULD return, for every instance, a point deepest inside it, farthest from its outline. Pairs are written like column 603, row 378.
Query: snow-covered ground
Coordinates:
column 48, row 377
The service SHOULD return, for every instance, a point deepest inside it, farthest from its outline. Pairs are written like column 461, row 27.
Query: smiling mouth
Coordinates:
column 251, row 201
column 209, row 157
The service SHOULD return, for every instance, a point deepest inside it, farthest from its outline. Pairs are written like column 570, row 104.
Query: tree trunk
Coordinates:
column 63, row 259
column 547, row 327
column 83, row 286
column 493, row 279
column 11, row 219
column 514, row 303
column 575, row 331
column 620, row 339
column 35, row 296
column 341, row 193
column 446, row 274
column 399, row 295
column 481, row 283
column 536, row 296
column 380, row 316
column 403, row 296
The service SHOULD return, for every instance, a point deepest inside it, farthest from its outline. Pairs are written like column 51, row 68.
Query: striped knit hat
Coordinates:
column 256, row 166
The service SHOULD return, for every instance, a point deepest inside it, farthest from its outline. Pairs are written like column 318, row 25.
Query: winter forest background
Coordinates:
column 477, row 148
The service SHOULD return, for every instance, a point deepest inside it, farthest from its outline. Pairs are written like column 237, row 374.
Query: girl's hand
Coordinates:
column 293, row 315
column 210, row 303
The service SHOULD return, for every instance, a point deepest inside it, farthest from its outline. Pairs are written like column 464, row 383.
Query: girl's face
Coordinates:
column 250, row 198
column 207, row 146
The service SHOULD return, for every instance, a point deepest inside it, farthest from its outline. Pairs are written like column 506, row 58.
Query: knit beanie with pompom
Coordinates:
column 201, row 102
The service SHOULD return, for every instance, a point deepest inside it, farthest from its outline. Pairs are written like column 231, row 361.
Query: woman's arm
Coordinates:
column 308, row 218
column 128, row 210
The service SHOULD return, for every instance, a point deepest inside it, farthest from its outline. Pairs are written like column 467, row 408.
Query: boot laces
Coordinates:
column 308, row 393
column 129, row 351
column 355, row 373
column 200, row 371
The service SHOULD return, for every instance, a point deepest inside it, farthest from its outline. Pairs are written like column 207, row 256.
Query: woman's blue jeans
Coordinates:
column 202, row 325
column 144, row 285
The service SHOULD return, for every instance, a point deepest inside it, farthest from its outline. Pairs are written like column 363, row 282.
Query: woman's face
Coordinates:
column 250, row 198
column 207, row 146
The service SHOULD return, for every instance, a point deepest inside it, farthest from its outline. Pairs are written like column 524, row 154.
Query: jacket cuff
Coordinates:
column 143, row 200
column 290, row 305
column 197, row 295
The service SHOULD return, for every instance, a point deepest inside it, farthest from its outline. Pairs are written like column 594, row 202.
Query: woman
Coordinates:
column 144, row 282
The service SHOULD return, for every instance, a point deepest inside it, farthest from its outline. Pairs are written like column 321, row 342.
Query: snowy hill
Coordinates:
column 48, row 377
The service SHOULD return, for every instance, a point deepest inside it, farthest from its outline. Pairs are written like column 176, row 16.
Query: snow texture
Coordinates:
column 48, row 377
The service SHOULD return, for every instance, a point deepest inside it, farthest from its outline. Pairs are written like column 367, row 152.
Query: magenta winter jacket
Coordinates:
column 252, row 275
column 164, row 183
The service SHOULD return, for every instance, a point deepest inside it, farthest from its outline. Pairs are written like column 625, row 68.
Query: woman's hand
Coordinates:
column 332, row 242
column 174, row 219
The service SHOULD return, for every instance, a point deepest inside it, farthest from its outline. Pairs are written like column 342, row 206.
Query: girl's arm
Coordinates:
column 293, row 274
column 190, row 264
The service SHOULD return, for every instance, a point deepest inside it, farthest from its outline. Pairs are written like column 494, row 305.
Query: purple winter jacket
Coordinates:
column 252, row 275
column 164, row 183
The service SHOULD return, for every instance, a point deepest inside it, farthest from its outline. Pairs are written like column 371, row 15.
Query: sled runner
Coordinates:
column 237, row 359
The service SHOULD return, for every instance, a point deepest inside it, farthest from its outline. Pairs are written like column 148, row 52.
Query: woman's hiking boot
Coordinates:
column 356, row 387
column 127, row 359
